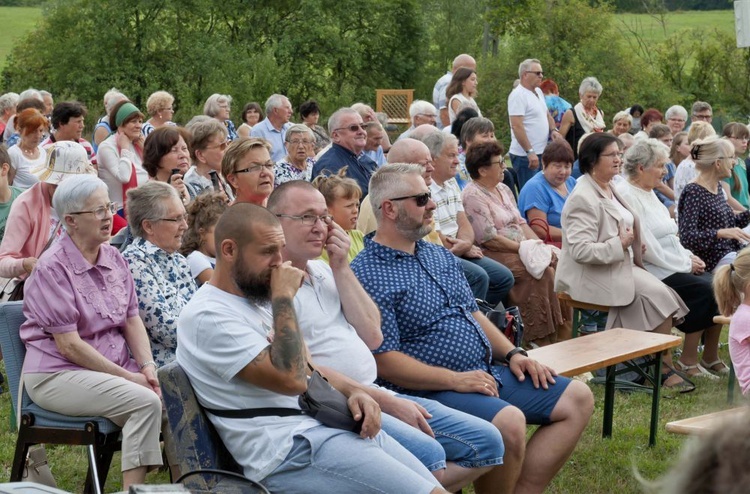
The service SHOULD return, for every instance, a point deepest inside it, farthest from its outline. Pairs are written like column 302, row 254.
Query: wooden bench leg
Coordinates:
column 730, row 385
column 655, row 398
column 576, row 321
column 609, row 401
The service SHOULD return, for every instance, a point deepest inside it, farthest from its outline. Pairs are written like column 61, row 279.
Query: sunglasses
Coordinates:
column 352, row 128
column 420, row 199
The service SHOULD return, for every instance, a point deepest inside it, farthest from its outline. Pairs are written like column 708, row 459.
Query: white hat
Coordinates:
column 64, row 158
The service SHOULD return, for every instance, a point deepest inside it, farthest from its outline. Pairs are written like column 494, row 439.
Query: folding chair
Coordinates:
column 40, row 426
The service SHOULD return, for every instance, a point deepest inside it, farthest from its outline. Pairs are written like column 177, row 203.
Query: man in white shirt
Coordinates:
column 531, row 125
column 241, row 347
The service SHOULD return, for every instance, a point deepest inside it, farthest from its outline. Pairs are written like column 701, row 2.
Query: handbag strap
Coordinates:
column 249, row 413
column 542, row 223
column 51, row 237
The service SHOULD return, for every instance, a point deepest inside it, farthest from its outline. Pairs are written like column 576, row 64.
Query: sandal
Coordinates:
column 684, row 386
column 711, row 366
column 696, row 370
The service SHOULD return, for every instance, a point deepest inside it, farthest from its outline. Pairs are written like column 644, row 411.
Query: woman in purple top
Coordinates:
column 87, row 352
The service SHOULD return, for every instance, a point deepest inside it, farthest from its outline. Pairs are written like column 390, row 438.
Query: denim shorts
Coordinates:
column 536, row 404
column 463, row 439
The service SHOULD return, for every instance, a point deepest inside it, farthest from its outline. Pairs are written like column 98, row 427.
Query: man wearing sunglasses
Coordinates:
column 438, row 345
column 349, row 137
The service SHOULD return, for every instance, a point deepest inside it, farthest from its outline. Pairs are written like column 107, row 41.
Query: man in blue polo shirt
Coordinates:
column 273, row 127
column 349, row 138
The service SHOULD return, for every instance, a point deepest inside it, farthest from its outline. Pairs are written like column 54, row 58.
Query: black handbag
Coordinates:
column 508, row 320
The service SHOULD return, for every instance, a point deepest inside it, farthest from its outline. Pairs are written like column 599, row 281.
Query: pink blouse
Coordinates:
column 66, row 293
column 491, row 216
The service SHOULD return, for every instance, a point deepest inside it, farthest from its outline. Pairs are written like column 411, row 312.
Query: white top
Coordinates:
column 199, row 262
column 685, row 174
column 116, row 167
column 533, row 108
column 448, row 204
column 462, row 100
column 664, row 254
column 627, row 216
column 332, row 341
column 23, row 166
column 218, row 334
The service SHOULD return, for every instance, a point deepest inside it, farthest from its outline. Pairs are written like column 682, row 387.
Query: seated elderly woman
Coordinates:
column 166, row 158
column 208, row 143
column 500, row 230
column 162, row 276
column 87, row 352
column 585, row 117
column 650, row 117
column 32, row 224
column 708, row 226
column 160, row 108
column 219, row 107
column 298, row 162
column 248, row 167
column 601, row 261
column 542, row 198
column 621, row 123
column 668, row 260
column 198, row 242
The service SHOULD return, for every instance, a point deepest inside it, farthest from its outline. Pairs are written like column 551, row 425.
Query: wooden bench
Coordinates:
column 724, row 321
column 607, row 349
column 705, row 423
column 577, row 307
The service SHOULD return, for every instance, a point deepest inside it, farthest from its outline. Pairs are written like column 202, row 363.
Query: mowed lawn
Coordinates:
column 15, row 22
column 651, row 29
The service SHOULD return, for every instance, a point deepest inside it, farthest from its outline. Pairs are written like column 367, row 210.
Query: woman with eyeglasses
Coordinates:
column 163, row 282
column 602, row 255
column 249, row 170
column 501, row 231
column 160, row 108
column 461, row 92
column 736, row 185
column 299, row 160
column 87, row 352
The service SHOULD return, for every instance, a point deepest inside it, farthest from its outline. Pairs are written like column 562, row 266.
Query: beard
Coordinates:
column 255, row 286
column 411, row 228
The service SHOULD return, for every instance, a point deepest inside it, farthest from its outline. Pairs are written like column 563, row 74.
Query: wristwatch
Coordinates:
column 516, row 350
column 530, row 151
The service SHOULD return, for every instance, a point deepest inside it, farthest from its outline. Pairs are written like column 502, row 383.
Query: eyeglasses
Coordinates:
column 267, row 166
column 170, row 109
column 352, row 128
column 308, row 219
column 617, row 155
column 421, row 199
column 741, row 138
column 673, row 119
column 501, row 163
column 221, row 146
column 537, row 73
column 182, row 217
column 100, row 213
column 297, row 142
column 704, row 116
column 428, row 115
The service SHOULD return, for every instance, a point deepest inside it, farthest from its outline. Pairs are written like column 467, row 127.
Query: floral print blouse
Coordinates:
column 490, row 215
column 164, row 286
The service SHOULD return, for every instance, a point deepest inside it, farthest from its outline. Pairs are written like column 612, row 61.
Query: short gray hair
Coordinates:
column 8, row 101
column 44, row 93
column 676, row 111
column 274, row 101
column 71, row 195
column 436, row 142
column 420, row 106
column 697, row 106
column 111, row 98
column 31, row 93
column 334, row 121
column 212, row 106
column 645, row 152
column 147, row 202
column 388, row 181
column 299, row 129
column 526, row 65
column 623, row 115
column 590, row 85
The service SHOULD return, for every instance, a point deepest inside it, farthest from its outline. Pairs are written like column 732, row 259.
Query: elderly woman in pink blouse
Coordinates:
column 499, row 229
column 87, row 352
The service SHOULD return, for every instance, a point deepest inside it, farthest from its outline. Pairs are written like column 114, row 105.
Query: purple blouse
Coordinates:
column 66, row 293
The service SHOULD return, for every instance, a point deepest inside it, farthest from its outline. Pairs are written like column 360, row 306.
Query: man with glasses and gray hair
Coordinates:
column 274, row 127
column 420, row 112
column 531, row 125
column 349, row 138
column 701, row 112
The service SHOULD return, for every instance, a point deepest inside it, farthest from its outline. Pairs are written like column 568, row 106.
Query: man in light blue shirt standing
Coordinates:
column 273, row 128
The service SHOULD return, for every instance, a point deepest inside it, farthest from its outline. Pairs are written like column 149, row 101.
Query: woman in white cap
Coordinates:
column 32, row 224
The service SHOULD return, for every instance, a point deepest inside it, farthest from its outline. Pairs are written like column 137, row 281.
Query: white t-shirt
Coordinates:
column 199, row 262
column 23, row 166
column 218, row 334
column 332, row 341
column 533, row 108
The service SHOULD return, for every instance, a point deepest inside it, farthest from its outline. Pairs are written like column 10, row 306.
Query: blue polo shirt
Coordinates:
column 425, row 305
column 360, row 168
column 267, row 131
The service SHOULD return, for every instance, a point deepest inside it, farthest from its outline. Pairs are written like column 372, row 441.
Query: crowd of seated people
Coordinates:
column 257, row 256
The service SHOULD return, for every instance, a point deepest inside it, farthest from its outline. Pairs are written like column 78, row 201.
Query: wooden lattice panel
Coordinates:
column 395, row 103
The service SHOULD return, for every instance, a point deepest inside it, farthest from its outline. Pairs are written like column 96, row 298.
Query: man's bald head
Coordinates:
column 464, row 60
column 422, row 131
column 238, row 223
column 408, row 150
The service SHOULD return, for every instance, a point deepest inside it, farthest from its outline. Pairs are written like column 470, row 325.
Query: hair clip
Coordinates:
column 695, row 151
column 731, row 267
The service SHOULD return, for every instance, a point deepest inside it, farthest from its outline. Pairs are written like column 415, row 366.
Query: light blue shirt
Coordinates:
column 378, row 156
column 266, row 130
column 438, row 94
column 538, row 193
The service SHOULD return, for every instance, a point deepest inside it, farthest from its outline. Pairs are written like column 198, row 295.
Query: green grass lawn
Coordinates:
column 650, row 28
column 16, row 22
column 597, row 466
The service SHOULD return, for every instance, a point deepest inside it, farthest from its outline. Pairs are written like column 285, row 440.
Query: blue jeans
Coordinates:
column 488, row 279
column 468, row 441
column 521, row 166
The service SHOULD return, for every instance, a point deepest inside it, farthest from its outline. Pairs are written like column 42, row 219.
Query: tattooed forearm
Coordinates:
column 288, row 349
